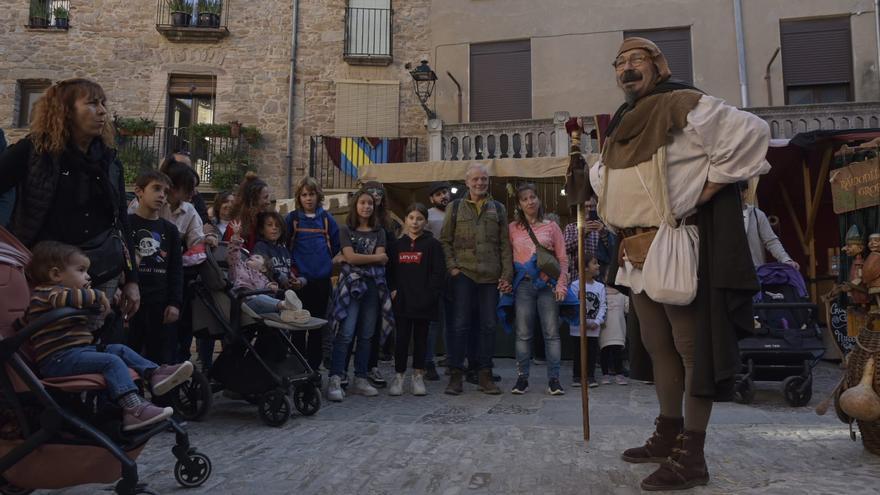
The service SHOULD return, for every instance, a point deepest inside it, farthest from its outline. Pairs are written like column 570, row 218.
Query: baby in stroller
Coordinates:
column 59, row 273
column 252, row 274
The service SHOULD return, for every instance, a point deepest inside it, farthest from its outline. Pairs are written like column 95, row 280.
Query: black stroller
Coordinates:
column 787, row 341
column 259, row 362
column 62, row 432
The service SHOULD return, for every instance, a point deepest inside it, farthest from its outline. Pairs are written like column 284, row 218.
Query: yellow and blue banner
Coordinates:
column 351, row 153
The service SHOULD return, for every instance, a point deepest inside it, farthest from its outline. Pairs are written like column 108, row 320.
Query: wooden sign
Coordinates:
column 836, row 317
column 856, row 186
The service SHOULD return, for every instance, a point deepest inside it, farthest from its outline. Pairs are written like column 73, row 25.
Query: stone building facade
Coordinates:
column 117, row 43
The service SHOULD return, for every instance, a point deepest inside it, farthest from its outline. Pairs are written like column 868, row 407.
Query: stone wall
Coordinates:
column 115, row 42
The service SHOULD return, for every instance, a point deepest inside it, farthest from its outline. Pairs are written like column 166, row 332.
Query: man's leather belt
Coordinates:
column 632, row 231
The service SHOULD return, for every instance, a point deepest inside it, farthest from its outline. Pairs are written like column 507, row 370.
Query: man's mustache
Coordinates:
column 631, row 75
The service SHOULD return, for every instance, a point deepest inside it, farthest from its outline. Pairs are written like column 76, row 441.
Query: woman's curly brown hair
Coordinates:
column 54, row 114
column 247, row 201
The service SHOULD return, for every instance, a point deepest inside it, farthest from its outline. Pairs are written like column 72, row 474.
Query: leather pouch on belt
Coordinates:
column 635, row 248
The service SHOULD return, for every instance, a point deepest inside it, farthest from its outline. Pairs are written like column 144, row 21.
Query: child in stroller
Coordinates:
column 60, row 273
column 252, row 273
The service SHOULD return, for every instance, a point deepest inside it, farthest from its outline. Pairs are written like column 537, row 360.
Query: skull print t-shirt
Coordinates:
column 157, row 255
column 362, row 242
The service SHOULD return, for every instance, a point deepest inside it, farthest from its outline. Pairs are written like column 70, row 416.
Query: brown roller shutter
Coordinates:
column 197, row 85
column 501, row 81
column 675, row 43
column 816, row 51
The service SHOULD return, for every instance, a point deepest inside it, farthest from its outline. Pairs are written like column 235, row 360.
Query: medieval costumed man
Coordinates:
column 674, row 155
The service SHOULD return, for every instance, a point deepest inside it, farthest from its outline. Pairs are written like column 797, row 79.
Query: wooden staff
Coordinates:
column 582, row 321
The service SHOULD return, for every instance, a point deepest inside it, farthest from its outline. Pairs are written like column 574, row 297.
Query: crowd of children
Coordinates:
column 390, row 288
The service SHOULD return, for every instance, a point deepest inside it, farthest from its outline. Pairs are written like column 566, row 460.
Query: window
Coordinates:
column 46, row 14
column 817, row 60
column 501, row 81
column 368, row 109
column 675, row 43
column 368, row 31
column 191, row 100
column 28, row 92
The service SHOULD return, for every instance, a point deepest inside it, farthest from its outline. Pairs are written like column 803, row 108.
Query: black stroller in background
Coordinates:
column 787, row 341
column 259, row 362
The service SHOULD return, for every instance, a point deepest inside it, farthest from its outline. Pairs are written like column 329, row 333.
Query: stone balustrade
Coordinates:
column 547, row 137
column 789, row 120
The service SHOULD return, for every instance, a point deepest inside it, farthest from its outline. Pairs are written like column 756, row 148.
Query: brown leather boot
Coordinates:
column 685, row 468
column 455, row 378
column 660, row 445
column 487, row 384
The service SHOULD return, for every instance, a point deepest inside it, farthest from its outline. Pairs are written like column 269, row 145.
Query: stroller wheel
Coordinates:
column 194, row 473
column 307, row 399
column 797, row 390
column 7, row 488
column 744, row 391
column 192, row 399
column 275, row 407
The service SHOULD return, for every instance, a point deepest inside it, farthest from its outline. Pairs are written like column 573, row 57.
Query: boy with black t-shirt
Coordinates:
column 157, row 247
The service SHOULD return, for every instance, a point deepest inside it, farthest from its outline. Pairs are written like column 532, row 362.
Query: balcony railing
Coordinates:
column 789, row 120
column 49, row 14
column 368, row 36
column 217, row 160
column 505, row 139
column 334, row 161
column 193, row 21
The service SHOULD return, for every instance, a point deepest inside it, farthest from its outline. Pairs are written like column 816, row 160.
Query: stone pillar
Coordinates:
column 561, row 136
column 435, row 139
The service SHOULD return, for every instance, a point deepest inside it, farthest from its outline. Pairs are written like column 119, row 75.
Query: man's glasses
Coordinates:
column 634, row 61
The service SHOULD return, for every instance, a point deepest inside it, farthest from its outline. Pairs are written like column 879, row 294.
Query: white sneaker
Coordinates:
column 605, row 380
column 291, row 300
column 418, row 383
column 334, row 389
column 396, row 387
column 362, row 386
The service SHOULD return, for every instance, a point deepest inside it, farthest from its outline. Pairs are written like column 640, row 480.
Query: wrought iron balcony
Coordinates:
column 49, row 15
column 193, row 21
column 334, row 161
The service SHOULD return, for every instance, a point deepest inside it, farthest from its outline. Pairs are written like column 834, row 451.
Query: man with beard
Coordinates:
column 674, row 153
column 439, row 194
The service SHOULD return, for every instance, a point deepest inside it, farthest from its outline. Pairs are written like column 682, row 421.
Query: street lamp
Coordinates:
column 423, row 84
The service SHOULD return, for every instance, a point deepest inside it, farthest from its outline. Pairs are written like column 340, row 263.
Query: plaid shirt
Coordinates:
column 591, row 246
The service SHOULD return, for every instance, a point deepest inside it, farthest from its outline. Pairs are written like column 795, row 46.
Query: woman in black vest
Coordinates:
column 70, row 186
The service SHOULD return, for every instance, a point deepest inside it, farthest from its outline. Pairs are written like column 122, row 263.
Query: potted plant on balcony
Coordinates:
column 235, row 129
column 181, row 12
column 200, row 131
column 39, row 14
column 209, row 13
column 62, row 17
column 252, row 135
column 135, row 126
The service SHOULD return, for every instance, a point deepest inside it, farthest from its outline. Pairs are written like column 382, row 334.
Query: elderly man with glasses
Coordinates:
column 675, row 153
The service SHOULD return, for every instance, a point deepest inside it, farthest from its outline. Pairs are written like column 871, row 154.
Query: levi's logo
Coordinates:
column 410, row 257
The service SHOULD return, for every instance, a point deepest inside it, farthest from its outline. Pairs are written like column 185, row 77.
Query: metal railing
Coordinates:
column 368, row 33
column 205, row 14
column 338, row 169
column 47, row 14
column 218, row 160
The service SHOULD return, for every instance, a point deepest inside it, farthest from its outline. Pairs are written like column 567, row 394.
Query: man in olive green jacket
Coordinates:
column 480, row 264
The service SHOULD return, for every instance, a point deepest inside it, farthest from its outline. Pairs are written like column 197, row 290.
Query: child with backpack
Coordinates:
column 416, row 286
column 314, row 241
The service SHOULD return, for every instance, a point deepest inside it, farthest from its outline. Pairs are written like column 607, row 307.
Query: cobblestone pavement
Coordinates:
column 478, row 444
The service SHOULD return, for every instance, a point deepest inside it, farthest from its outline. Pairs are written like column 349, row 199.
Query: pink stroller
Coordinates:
column 61, row 432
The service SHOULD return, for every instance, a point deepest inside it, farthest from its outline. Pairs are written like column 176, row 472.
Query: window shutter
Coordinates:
column 501, row 81
column 197, row 85
column 367, row 108
column 676, row 47
column 816, row 51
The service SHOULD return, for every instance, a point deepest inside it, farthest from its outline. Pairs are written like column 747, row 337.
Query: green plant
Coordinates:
column 61, row 13
column 40, row 9
column 209, row 130
column 135, row 125
column 178, row 6
column 251, row 134
column 228, row 168
column 135, row 160
column 210, row 7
